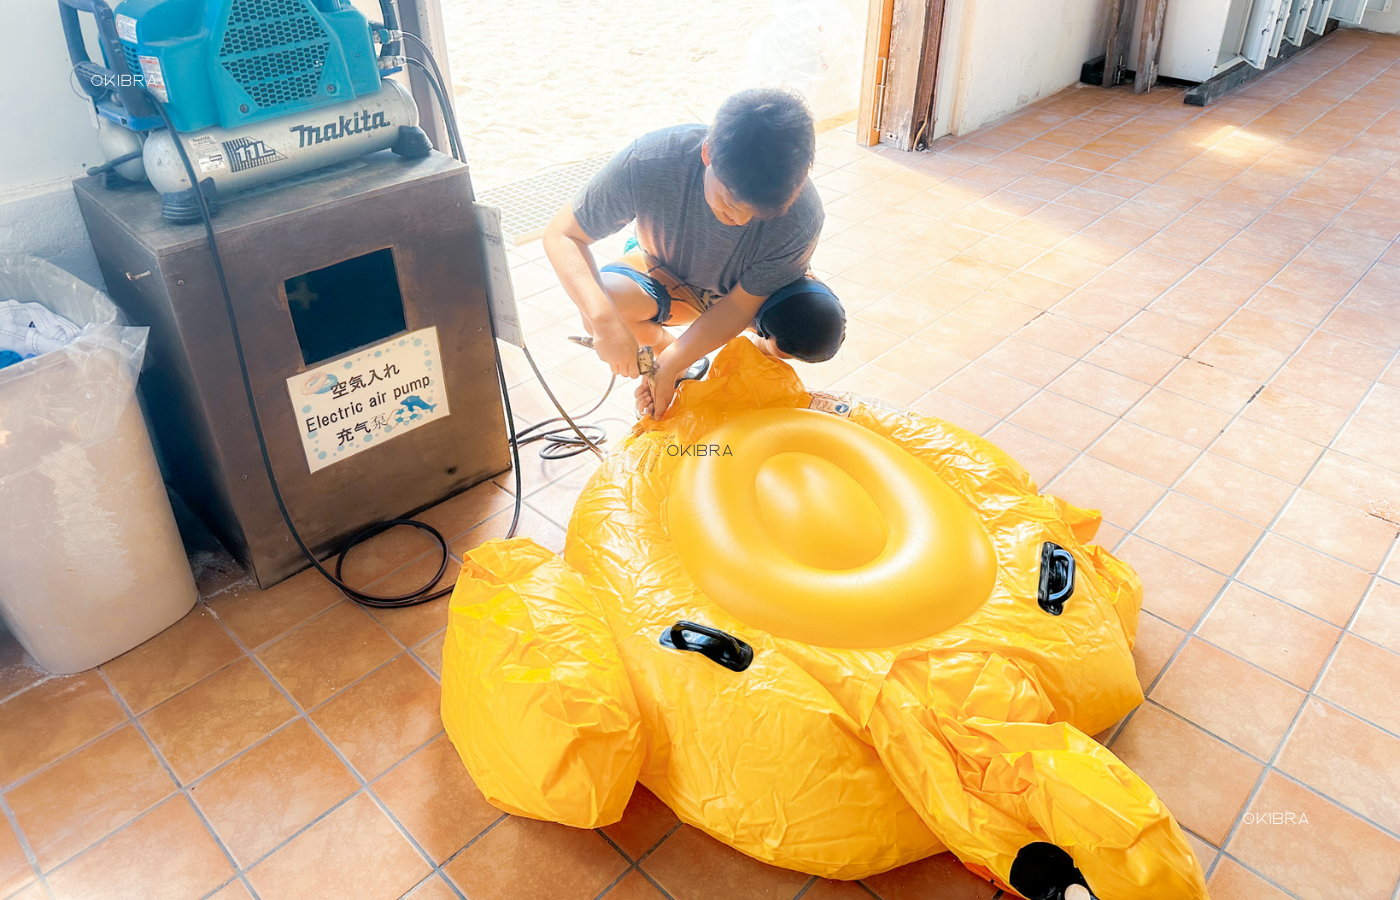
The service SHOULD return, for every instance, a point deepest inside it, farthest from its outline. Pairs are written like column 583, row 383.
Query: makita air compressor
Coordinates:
column 256, row 90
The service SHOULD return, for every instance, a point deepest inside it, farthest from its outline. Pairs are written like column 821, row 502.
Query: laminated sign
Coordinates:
column 372, row 396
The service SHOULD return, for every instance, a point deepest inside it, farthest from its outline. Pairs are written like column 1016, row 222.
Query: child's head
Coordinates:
column 757, row 155
column 804, row 320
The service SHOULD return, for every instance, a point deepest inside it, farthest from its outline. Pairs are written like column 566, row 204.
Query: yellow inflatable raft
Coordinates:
column 836, row 637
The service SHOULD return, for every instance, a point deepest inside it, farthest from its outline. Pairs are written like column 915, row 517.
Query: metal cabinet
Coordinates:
column 1202, row 38
column 312, row 268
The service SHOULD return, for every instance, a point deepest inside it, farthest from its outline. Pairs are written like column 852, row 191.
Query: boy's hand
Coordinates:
column 654, row 395
column 656, row 403
column 643, row 398
column 617, row 346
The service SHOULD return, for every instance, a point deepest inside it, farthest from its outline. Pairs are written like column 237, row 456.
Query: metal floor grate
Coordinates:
column 527, row 205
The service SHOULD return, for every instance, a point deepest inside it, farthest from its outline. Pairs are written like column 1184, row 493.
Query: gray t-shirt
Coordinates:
column 658, row 180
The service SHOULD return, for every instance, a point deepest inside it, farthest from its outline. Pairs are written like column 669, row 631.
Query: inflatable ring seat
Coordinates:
column 835, row 636
column 815, row 529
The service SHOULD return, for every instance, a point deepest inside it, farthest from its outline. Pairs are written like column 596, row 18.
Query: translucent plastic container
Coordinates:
column 91, row 563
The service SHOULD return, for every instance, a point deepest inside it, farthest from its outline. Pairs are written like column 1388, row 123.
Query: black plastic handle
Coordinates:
column 1043, row 871
column 713, row 644
column 98, row 81
column 1056, row 577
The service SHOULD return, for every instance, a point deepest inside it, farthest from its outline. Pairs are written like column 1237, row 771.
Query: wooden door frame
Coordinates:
column 899, row 78
column 872, row 78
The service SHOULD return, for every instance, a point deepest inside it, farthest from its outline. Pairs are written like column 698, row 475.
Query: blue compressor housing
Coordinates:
column 235, row 62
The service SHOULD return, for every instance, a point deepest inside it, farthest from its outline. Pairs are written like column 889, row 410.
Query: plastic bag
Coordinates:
column 91, row 558
column 74, row 395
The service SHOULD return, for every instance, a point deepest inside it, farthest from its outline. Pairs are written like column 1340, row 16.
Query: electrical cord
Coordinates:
column 558, row 443
column 435, row 82
column 433, row 74
column 587, row 437
column 554, row 438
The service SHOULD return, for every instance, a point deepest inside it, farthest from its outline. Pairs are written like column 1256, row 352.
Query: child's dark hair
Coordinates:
column 806, row 321
column 762, row 146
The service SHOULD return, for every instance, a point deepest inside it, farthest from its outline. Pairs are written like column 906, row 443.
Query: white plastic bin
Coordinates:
column 91, row 562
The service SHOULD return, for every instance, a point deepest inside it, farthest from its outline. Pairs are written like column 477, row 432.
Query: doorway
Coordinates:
column 547, row 90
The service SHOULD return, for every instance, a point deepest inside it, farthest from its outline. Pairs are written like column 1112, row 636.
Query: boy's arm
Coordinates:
column 717, row 326
column 567, row 246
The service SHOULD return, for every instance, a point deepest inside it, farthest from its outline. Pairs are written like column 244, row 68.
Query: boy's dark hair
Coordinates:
column 808, row 323
column 762, row 146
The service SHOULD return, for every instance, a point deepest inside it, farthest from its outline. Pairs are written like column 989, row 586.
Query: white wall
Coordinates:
column 999, row 55
column 44, row 221
column 49, row 135
column 1376, row 19
column 49, row 139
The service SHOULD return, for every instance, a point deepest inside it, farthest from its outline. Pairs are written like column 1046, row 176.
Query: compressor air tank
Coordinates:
column 250, row 155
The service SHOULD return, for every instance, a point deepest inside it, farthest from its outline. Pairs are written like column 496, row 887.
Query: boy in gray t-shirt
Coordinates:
column 727, row 220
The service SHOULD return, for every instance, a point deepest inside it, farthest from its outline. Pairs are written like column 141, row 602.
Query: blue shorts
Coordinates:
column 699, row 300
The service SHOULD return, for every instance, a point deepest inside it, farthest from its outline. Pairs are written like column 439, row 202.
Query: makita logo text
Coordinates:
column 348, row 125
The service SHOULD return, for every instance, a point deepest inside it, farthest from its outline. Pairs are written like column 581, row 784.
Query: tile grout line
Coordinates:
column 45, row 678
column 1143, row 111
column 1233, row 577
column 1310, row 693
column 1217, row 329
column 30, row 856
column 245, row 653
column 181, row 790
column 1070, row 188
column 631, row 867
column 637, row 863
column 1298, row 485
column 24, row 779
column 364, row 784
column 186, row 788
column 1235, row 417
column 1166, row 289
column 460, row 850
column 1271, row 764
column 1115, row 332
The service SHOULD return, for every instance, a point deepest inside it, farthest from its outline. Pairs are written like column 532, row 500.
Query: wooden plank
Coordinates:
column 928, row 75
column 872, row 79
column 915, row 33
column 1120, row 35
column 1154, row 15
column 901, row 72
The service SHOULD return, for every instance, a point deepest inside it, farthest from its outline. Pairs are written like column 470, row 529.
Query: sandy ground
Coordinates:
column 540, row 83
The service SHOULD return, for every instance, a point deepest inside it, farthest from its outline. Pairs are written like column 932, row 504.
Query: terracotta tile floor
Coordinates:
column 1188, row 318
